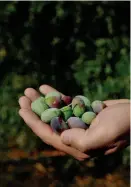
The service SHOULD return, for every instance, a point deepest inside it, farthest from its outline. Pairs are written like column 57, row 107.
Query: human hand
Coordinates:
column 41, row 129
column 109, row 131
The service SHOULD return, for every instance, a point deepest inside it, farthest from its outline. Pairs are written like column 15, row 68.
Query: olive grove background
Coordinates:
column 78, row 48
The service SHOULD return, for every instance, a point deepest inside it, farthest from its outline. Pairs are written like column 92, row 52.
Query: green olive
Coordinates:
column 88, row 117
column 38, row 106
column 49, row 114
column 66, row 112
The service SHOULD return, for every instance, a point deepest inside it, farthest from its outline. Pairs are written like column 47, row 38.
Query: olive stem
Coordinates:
column 69, row 104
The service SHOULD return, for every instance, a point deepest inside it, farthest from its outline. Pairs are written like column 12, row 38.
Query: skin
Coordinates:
column 108, row 133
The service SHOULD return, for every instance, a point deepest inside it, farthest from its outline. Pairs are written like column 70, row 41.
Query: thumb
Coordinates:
column 74, row 138
column 86, row 140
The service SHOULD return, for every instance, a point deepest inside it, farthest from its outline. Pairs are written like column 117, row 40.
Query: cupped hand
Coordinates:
column 109, row 131
column 41, row 129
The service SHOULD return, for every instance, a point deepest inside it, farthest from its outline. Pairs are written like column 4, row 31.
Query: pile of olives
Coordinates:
column 64, row 112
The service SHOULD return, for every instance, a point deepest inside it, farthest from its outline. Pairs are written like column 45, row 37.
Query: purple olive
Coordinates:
column 58, row 125
column 53, row 99
column 76, row 101
column 98, row 106
column 85, row 100
column 75, row 122
column 67, row 100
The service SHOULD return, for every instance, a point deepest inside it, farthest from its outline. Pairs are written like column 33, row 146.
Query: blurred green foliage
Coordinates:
column 107, row 75
column 77, row 47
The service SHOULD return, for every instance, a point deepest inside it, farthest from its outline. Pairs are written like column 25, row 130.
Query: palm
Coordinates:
column 107, row 130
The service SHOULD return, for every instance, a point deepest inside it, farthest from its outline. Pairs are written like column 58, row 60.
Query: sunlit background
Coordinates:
column 78, row 48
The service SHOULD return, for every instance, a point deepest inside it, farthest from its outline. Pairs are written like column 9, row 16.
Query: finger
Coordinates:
column 110, row 151
column 44, row 131
column 32, row 94
column 24, row 102
column 57, row 143
column 33, row 121
column 121, row 144
column 117, row 101
column 45, row 89
column 74, row 137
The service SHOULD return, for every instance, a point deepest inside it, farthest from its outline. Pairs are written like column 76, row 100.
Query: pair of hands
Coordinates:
column 109, row 131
